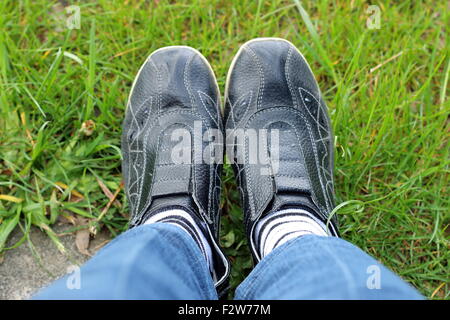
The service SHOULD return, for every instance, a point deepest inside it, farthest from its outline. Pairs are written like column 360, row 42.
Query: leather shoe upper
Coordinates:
column 271, row 93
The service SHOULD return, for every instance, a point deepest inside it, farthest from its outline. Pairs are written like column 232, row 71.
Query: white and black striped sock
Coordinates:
column 281, row 226
column 186, row 222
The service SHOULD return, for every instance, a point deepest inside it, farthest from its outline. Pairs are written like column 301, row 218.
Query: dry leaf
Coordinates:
column 107, row 192
column 73, row 192
column 70, row 218
column 102, row 214
column 101, row 245
column 10, row 198
column 82, row 237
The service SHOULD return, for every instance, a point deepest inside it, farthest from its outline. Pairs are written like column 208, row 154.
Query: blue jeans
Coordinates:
column 161, row 261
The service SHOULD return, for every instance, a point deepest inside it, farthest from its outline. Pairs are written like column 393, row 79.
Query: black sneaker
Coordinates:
column 271, row 91
column 175, row 92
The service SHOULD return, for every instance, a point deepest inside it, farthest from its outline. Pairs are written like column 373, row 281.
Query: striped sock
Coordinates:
column 186, row 222
column 281, row 226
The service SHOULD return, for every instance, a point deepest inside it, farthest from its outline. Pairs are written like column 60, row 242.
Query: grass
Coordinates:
column 63, row 94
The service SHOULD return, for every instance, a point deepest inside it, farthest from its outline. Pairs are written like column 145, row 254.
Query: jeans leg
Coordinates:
column 156, row 261
column 313, row 267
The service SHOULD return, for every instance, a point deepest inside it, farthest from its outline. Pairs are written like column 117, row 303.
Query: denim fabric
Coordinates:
column 157, row 261
column 160, row 261
column 313, row 267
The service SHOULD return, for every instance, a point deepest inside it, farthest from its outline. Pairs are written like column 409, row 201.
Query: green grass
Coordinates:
column 391, row 124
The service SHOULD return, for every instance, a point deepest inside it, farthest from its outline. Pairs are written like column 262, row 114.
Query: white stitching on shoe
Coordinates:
column 158, row 77
column 133, row 164
column 248, row 177
column 187, row 83
column 200, row 93
column 316, row 158
column 243, row 101
column 319, row 109
column 139, row 178
column 316, row 119
column 261, row 74
column 288, row 78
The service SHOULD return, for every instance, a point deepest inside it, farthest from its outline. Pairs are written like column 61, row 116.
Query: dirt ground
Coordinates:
column 21, row 273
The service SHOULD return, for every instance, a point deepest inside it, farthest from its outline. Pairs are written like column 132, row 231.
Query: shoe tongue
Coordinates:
column 163, row 203
column 181, row 202
column 294, row 200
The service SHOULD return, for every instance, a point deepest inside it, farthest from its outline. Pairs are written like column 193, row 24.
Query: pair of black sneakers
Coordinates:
column 275, row 130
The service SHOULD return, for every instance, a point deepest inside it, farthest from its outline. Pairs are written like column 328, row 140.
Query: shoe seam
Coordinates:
column 298, row 139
